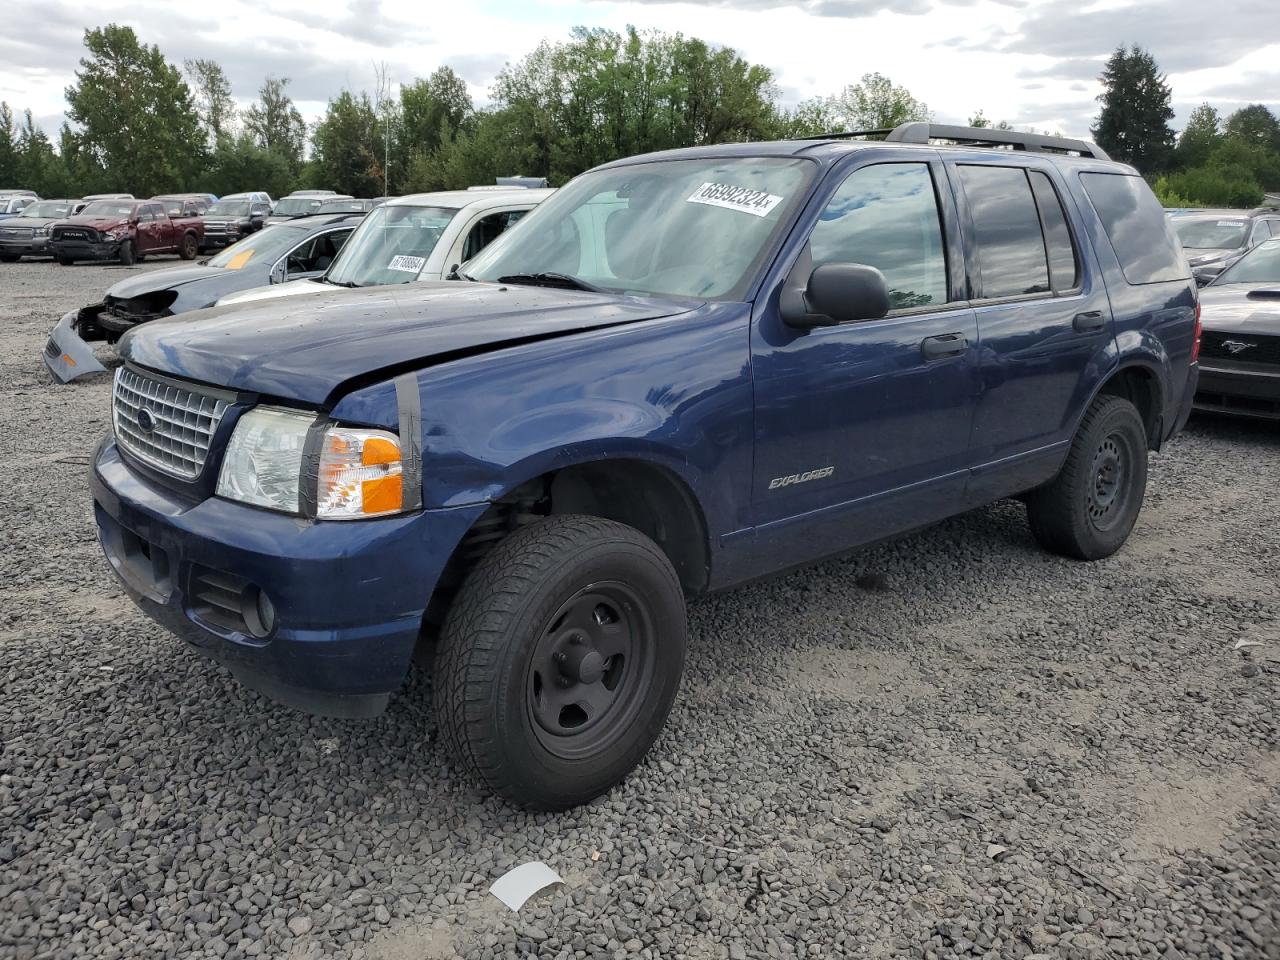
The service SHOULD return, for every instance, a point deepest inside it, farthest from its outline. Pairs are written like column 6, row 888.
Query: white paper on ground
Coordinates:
column 519, row 884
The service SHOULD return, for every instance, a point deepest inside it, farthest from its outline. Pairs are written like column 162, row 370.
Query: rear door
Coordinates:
column 862, row 429
column 1044, row 320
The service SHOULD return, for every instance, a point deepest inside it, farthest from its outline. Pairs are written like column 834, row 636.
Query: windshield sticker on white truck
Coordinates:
column 407, row 264
column 755, row 202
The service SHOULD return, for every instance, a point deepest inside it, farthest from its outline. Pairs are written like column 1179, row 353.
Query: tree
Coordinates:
column 239, row 163
column 876, row 104
column 214, row 103
column 1199, row 137
column 347, row 146
column 40, row 167
column 1255, row 125
column 1133, row 126
column 138, row 122
column 275, row 124
column 9, row 169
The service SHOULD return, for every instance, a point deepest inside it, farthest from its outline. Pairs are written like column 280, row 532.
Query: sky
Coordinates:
column 1033, row 63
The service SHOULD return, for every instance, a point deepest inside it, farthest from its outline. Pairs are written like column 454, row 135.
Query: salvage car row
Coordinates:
column 124, row 229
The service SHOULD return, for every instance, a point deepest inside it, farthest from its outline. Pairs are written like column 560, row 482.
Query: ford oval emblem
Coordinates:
column 146, row 420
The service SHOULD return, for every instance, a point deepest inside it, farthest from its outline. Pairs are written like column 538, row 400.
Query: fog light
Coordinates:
column 258, row 611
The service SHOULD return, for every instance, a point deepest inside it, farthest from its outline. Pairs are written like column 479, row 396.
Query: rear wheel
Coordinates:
column 10, row 257
column 190, row 247
column 560, row 659
column 128, row 253
column 1089, row 509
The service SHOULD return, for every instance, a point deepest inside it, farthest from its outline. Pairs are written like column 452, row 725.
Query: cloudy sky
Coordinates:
column 1031, row 62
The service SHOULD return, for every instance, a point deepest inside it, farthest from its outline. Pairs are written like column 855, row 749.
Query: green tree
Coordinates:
column 1133, row 126
column 811, row 117
column 433, row 112
column 1200, row 137
column 41, row 169
column 876, row 103
column 275, row 124
column 1255, row 125
column 347, row 147
column 214, row 104
column 9, row 167
column 138, row 122
column 239, row 163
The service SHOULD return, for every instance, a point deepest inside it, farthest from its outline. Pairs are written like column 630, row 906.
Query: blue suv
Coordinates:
column 684, row 371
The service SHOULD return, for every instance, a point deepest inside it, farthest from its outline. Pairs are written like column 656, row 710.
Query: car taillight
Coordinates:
column 1195, row 343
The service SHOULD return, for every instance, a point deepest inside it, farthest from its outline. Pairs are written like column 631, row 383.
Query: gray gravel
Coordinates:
column 953, row 745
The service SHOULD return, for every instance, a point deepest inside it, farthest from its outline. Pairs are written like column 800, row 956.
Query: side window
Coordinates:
column 1260, row 233
column 144, row 214
column 157, row 212
column 488, row 230
column 1006, row 225
column 886, row 216
column 1137, row 227
column 1064, row 269
column 261, row 209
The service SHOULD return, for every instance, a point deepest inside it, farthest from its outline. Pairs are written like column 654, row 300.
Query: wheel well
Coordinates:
column 650, row 498
column 1141, row 388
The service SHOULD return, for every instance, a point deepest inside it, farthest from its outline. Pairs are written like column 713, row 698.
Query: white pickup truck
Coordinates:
column 417, row 237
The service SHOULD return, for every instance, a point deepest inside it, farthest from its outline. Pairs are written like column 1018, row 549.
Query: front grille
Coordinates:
column 217, row 599
column 16, row 233
column 1227, row 346
column 76, row 233
column 164, row 425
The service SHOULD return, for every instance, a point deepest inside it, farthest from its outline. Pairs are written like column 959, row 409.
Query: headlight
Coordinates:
column 264, row 459
column 360, row 474
column 119, row 233
column 38, row 231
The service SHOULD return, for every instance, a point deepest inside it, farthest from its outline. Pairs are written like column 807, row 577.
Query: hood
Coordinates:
column 1241, row 308
column 1200, row 256
column 306, row 348
column 33, row 221
column 162, row 280
column 275, row 291
column 98, row 223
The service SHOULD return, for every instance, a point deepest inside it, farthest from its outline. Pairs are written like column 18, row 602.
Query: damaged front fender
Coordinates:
column 66, row 354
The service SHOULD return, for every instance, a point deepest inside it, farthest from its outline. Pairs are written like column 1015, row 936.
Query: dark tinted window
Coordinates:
column 1057, row 236
column 1136, row 226
column 886, row 216
column 1007, row 231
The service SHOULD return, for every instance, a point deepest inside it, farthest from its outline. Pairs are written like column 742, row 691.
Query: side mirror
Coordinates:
column 278, row 273
column 835, row 293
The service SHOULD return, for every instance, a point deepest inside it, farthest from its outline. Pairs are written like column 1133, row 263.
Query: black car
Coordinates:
column 232, row 218
column 285, row 251
column 1213, row 240
column 1240, row 346
column 27, row 234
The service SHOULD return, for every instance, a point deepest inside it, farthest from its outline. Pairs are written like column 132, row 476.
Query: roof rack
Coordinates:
column 922, row 132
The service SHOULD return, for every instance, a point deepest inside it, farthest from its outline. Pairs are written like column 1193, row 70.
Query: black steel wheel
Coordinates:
column 1089, row 509
column 560, row 659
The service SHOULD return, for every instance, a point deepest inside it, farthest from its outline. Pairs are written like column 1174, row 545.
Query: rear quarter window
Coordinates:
column 1137, row 227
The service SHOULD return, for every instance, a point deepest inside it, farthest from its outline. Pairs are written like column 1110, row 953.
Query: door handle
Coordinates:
column 943, row 346
column 1091, row 321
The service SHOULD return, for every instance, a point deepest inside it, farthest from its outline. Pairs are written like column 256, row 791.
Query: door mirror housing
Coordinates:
column 835, row 293
column 278, row 273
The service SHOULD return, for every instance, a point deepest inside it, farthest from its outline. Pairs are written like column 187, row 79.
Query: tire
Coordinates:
column 65, row 261
column 10, row 257
column 1089, row 509
column 128, row 254
column 539, row 631
column 190, row 247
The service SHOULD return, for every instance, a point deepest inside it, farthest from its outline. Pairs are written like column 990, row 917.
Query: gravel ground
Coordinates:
column 952, row 745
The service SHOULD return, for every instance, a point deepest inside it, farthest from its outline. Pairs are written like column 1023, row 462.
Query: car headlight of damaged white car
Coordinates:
column 359, row 470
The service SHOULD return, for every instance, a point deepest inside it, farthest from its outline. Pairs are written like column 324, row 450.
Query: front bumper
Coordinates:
column 349, row 596
column 1247, row 391
column 217, row 240
column 35, row 247
column 85, row 249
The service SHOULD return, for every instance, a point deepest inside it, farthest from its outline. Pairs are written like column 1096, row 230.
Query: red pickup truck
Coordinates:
column 128, row 230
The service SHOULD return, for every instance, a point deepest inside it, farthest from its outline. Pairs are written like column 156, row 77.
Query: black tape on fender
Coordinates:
column 409, row 402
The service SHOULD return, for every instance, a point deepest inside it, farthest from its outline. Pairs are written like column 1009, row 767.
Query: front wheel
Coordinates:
column 128, row 254
column 1089, row 509
column 560, row 659
column 190, row 247
column 65, row 261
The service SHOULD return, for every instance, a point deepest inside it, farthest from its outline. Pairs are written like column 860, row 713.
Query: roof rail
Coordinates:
column 923, row 132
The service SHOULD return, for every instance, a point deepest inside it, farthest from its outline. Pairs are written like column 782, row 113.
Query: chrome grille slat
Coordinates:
column 185, row 420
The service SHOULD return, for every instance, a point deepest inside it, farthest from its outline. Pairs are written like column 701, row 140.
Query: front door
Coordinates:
column 862, row 429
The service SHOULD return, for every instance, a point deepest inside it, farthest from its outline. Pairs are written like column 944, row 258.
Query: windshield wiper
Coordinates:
column 340, row 283
column 548, row 279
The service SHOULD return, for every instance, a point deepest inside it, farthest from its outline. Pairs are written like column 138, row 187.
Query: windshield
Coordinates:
column 1210, row 234
column 229, row 208
column 391, row 245
column 107, row 208
column 342, row 206
column 48, row 210
column 265, row 246
column 686, row 228
column 1259, row 265
column 296, row 206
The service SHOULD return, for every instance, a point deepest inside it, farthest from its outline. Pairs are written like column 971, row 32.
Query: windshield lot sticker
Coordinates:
column 407, row 264
column 755, row 202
